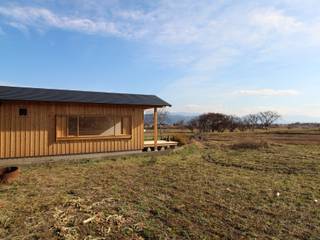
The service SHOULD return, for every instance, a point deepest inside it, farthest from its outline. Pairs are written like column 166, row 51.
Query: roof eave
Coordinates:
column 67, row 102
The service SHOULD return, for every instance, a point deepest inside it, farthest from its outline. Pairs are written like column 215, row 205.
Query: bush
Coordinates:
column 181, row 138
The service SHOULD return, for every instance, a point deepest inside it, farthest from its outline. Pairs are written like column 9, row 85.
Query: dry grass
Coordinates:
column 249, row 145
column 294, row 136
column 204, row 191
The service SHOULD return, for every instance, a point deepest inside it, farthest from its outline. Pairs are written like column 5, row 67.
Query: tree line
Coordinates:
column 218, row 122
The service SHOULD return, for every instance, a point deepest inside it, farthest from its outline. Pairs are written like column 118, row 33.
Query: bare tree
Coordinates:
column 268, row 118
column 211, row 122
column 219, row 122
column 234, row 123
column 163, row 116
column 148, row 120
column 179, row 124
column 193, row 124
column 251, row 121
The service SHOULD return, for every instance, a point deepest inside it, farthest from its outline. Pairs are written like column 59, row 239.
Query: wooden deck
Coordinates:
column 161, row 145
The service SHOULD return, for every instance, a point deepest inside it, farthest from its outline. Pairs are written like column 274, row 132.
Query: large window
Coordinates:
column 73, row 127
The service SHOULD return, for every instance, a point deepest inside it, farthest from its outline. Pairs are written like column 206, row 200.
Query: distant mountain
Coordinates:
column 301, row 119
column 173, row 117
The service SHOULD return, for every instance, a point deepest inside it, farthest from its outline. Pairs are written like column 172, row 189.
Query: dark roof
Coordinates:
column 71, row 96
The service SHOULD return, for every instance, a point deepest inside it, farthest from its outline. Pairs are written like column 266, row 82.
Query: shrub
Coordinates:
column 181, row 138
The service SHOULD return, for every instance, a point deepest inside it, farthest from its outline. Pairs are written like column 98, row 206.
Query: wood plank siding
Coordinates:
column 35, row 134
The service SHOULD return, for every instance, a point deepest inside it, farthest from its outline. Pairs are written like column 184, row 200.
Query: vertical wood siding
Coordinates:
column 35, row 134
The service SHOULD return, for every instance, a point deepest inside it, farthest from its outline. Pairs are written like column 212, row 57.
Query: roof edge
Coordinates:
column 15, row 93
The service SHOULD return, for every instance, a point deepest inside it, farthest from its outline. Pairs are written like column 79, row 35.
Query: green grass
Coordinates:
column 207, row 190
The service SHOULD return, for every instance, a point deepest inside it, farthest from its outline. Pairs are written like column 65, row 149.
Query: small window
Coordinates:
column 23, row 112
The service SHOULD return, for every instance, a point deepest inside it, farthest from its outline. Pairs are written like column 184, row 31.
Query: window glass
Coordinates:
column 101, row 126
column 73, row 126
column 95, row 126
column 23, row 112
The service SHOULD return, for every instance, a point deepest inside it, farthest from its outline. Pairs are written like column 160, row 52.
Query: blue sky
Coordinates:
column 235, row 57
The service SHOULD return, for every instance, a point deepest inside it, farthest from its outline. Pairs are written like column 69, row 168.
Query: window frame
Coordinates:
column 91, row 137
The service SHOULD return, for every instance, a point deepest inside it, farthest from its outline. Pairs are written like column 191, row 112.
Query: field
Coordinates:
column 230, row 186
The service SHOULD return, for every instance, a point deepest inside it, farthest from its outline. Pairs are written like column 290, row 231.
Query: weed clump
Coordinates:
column 208, row 157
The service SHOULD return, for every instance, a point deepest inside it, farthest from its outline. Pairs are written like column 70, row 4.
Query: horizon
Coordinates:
column 205, row 56
column 281, row 121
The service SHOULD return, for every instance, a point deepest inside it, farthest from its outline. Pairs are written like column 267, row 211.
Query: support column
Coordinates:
column 155, row 129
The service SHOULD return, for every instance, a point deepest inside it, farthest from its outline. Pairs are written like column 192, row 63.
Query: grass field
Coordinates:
column 229, row 186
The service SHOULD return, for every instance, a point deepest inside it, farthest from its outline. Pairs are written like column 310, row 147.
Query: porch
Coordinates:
column 161, row 145
column 157, row 144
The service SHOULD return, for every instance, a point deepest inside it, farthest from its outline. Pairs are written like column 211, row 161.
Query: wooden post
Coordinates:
column 155, row 129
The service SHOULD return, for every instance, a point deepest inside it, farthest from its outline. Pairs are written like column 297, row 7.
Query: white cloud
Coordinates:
column 275, row 20
column 24, row 17
column 21, row 27
column 200, row 28
column 267, row 92
column 130, row 15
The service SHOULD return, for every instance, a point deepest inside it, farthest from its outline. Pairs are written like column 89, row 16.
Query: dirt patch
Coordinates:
column 249, row 145
column 8, row 174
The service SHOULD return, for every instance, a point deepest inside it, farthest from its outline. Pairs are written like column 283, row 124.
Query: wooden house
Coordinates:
column 46, row 122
